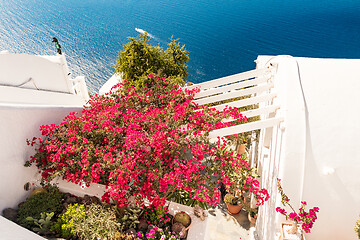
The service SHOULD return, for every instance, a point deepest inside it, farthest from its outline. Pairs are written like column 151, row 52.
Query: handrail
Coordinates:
column 255, row 84
column 79, row 87
column 229, row 87
column 234, row 94
column 256, row 112
column 246, row 127
column 247, row 101
column 229, row 79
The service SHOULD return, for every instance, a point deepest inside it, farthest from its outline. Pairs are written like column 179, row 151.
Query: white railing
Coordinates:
column 79, row 87
column 229, row 79
column 256, row 84
column 257, row 88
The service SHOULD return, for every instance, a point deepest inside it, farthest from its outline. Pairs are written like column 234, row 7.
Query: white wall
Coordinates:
column 21, row 96
column 47, row 72
column 332, row 163
column 320, row 151
column 18, row 123
column 115, row 79
column 8, row 228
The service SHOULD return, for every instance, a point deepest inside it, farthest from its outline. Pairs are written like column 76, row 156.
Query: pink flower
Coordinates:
column 280, row 210
column 306, row 219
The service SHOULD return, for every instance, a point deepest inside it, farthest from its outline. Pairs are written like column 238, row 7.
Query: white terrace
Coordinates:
column 309, row 122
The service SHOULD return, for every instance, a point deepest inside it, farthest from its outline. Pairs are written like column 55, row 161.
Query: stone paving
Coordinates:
column 223, row 226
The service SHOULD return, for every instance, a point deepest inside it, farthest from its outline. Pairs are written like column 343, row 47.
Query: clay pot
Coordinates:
column 233, row 209
column 241, row 148
column 252, row 219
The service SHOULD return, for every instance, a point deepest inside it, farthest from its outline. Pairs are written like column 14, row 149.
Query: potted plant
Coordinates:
column 242, row 184
column 299, row 221
column 241, row 144
column 181, row 223
column 232, row 204
column 252, row 215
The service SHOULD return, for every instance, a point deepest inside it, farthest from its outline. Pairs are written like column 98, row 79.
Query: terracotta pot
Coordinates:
column 233, row 209
column 241, row 148
column 252, row 219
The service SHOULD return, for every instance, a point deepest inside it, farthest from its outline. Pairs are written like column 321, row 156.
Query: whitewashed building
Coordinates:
column 309, row 125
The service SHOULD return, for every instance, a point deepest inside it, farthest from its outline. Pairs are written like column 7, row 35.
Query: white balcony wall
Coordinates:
column 34, row 90
column 18, row 123
column 46, row 72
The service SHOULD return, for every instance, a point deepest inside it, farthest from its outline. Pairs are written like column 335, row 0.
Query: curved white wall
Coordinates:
column 320, row 151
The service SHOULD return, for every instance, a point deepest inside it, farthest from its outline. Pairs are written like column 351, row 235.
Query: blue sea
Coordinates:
column 223, row 37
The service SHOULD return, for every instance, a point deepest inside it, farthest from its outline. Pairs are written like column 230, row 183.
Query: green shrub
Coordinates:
column 66, row 224
column 91, row 222
column 100, row 223
column 41, row 203
column 230, row 199
column 139, row 59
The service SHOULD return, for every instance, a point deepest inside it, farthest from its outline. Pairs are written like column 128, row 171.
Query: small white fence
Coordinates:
column 79, row 87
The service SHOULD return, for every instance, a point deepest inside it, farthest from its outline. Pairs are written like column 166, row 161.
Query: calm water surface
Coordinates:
column 223, row 37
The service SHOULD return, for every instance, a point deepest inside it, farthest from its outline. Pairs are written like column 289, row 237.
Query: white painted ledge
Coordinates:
column 115, row 79
column 14, row 95
column 11, row 231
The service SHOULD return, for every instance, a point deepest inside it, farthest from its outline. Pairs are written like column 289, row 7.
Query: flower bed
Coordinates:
column 87, row 218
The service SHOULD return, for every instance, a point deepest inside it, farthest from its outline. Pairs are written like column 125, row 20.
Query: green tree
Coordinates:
column 139, row 59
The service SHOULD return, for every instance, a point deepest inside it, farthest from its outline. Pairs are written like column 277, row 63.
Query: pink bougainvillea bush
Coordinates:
column 144, row 143
column 306, row 219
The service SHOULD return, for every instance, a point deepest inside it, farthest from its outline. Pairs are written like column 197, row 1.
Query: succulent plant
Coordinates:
column 43, row 224
column 131, row 216
column 357, row 228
